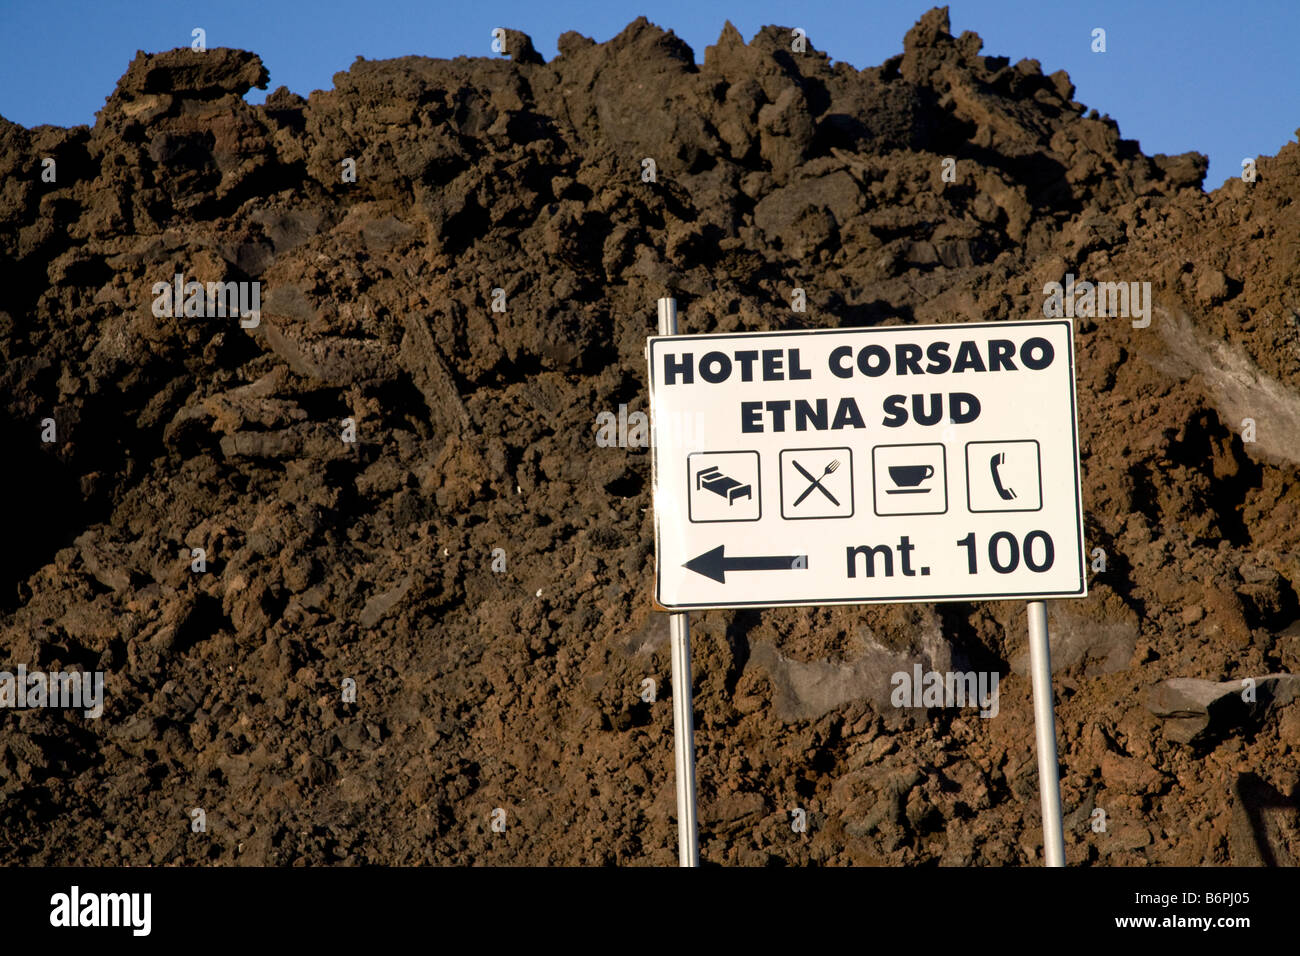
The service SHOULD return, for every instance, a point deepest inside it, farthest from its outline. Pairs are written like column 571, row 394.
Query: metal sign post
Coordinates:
column 688, row 846
column 1049, row 786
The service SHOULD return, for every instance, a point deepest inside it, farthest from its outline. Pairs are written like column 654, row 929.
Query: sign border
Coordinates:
column 1081, row 591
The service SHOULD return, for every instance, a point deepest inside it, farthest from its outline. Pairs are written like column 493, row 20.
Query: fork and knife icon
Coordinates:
column 816, row 482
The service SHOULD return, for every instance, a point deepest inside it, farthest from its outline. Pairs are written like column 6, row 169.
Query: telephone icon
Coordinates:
column 1000, row 459
column 1012, row 479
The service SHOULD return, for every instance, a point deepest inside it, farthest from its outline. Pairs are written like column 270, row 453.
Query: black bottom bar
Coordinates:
column 494, row 906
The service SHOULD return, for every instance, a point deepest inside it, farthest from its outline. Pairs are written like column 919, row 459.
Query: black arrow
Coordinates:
column 713, row 564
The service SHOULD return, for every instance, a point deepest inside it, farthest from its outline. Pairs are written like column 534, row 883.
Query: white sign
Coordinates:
column 908, row 463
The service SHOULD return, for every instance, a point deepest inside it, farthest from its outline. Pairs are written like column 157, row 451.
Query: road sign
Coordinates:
column 849, row 466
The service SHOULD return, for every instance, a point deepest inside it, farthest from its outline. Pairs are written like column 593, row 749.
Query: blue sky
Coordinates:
column 1219, row 77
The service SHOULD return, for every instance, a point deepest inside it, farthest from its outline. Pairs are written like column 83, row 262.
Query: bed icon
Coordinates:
column 723, row 486
column 718, row 483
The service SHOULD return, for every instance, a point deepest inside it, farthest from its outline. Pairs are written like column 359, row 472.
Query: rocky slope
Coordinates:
column 519, row 689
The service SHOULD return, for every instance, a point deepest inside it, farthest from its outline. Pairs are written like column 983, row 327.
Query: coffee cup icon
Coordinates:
column 909, row 476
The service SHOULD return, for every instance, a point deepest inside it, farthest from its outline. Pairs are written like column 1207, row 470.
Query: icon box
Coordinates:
column 909, row 479
column 1004, row 476
column 837, row 482
column 723, row 486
